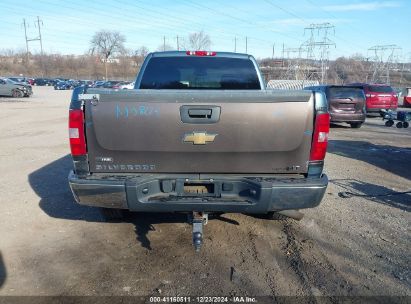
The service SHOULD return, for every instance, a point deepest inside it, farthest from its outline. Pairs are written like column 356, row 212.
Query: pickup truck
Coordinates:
column 199, row 134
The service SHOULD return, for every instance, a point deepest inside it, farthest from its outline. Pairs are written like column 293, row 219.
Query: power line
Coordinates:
column 126, row 17
column 81, row 21
column 332, row 15
column 248, row 22
column 285, row 11
column 307, row 22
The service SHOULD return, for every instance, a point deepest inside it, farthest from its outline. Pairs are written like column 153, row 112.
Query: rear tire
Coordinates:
column 356, row 125
column 405, row 124
column 399, row 125
column 111, row 214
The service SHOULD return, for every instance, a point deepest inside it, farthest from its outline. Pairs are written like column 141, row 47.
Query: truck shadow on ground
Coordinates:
column 376, row 193
column 56, row 200
column 3, row 272
column 145, row 222
column 51, row 185
column 390, row 158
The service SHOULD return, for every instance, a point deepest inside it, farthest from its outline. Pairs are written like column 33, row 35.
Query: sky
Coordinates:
column 68, row 26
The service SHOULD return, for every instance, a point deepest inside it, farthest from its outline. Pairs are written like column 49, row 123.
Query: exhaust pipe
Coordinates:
column 294, row 214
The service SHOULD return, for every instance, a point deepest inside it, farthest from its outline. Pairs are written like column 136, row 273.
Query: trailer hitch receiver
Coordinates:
column 198, row 220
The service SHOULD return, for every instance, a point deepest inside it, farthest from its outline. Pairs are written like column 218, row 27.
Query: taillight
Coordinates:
column 201, row 53
column 76, row 133
column 320, row 137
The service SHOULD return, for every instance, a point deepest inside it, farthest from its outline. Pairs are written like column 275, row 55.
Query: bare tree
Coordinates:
column 139, row 55
column 199, row 41
column 106, row 44
column 142, row 51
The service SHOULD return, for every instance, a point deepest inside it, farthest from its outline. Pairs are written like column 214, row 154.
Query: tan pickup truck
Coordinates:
column 199, row 134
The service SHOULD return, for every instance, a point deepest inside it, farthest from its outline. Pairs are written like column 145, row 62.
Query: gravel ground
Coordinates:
column 349, row 245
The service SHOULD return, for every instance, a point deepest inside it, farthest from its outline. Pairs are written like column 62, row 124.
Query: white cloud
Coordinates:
column 365, row 6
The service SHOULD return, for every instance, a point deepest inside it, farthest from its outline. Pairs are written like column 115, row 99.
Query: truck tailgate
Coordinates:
column 202, row 131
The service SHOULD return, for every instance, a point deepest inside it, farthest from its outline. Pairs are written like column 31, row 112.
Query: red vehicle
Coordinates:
column 379, row 96
column 407, row 98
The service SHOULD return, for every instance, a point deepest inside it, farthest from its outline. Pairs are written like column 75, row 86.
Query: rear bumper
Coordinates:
column 377, row 109
column 164, row 193
column 347, row 117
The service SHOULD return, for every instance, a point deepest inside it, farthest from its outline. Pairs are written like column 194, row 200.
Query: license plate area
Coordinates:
column 346, row 106
column 197, row 189
column 193, row 188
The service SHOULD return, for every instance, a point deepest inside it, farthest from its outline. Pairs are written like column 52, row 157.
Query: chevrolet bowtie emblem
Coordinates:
column 199, row 138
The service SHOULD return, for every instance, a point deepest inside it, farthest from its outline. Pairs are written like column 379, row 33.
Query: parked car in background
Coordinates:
column 378, row 96
column 74, row 83
column 30, row 81
column 11, row 88
column 89, row 83
column 126, row 85
column 99, row 84
column 407, row 98
column 62, row 85
column 42, row 82
column 112, row 84
column 345, row 103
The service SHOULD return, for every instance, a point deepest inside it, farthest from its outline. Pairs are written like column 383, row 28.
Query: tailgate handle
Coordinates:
column 200, row 114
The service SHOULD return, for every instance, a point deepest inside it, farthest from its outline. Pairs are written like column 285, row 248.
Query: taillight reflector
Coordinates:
column 320, row 137
column 76, row 133
column 201, row 53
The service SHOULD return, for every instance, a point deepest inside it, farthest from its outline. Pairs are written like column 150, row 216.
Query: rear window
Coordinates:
column 380, row 89
column 345, row 93
column 200, row 73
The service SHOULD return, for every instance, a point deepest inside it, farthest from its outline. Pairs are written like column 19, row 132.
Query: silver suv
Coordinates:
column 11, row 88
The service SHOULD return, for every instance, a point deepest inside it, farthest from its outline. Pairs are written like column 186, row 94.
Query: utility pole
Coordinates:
column 235, row 44
column 246, row 44
column 41, row 42
column 27, row 42
column 272, row 56
column 38, row 24
column 178, row 45
column 164, row 43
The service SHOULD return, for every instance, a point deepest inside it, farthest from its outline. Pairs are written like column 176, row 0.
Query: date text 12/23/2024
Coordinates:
column 203, row 299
